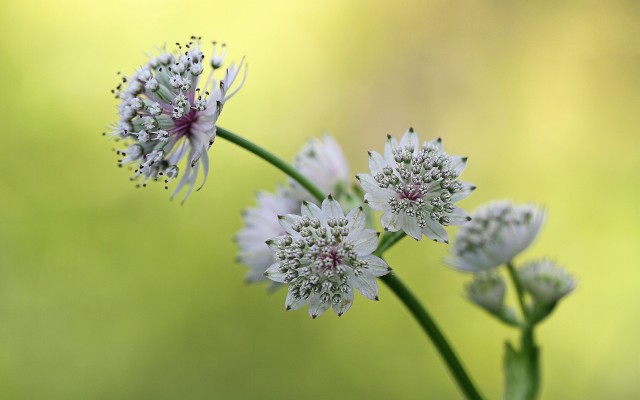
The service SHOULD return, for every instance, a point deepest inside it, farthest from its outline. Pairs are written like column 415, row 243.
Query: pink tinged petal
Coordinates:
column 410, row 138
column 366, row 284
column 458, row 164
column 205, row 168
column 344, row 304
column 435, row 231
column 410, row 226
column 291, row 303
column 274, row 273
column 287, row 221
column 364, row 241
column 311, row 210
column 390, row 221
column 376, row 162
column 317, row 307
column 458, row 216
column 331, row 208
column 376, row 265
column 467, row 189
column 357, row 219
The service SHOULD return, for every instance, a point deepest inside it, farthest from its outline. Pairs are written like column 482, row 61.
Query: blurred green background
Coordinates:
column 108, row 292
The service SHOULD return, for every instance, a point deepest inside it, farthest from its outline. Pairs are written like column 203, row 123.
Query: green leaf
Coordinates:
column 519, row 375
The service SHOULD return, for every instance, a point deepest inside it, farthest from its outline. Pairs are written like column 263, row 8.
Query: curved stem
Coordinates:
column 431, row 329
column 387, row 241
column 273, row 160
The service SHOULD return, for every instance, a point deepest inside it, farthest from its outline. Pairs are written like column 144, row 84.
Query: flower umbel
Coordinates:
column 323, row 162
column 324, row 256
column 498, row 232
column 416, row 187
column 166, row 117
column 545, row 281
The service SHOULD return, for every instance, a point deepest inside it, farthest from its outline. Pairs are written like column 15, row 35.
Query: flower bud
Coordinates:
column 545, row 281
column 487, row 291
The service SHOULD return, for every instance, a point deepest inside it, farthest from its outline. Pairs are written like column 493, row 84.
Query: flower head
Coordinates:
column 545, row 281
column 167, row 115
column 487, row 291
column 416, row 187
column 324, row 255
column 323, row 162
column 497, row 233
column 261, row 224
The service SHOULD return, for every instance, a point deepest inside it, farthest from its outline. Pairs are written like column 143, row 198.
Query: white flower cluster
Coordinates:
column 545, row 281
column 497, row 232
column 324, row 163
column 166, row 117
column 324, row 255
column 416, row 186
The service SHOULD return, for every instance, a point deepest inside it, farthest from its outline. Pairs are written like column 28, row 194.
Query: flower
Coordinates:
column 323, row 162
column 324, row 255
column 497, row 232
column 166, row 118
column 416, row 187
column 261, row 224
column 487, row 291
column 545, row 281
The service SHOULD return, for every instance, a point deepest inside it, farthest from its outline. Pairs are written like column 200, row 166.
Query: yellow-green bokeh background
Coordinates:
column 107, row 292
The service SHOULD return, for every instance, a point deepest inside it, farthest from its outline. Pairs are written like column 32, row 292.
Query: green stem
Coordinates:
column 433, row 332
column 387, row 241
column 520, row 293
column 273, row 160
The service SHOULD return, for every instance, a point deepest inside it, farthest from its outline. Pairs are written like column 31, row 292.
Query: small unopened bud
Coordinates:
column 487, row 291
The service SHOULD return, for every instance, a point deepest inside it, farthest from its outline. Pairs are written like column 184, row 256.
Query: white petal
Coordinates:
column 389, row 146
column 376, row 162
column 458, row 216
column 410, row 138
column 317, row 307
column 467, row 189
column 377, row 266
column 437, row 143
column 435, row 231
column 311, row 210
column 366, row 284
column 331, row 208
column 390, row 222
column 357, row 219
column 291, row 303
column 367, row 182
column 379, row 199
column 458, row 164
column 364, row 241
column 273, row 273
column 286, row 221
column 344, row 305
column 410, row 226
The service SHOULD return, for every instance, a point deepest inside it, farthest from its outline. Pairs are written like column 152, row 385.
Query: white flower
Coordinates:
column 545, row 281
column 320, row 160
column 497, row 232
column 323, row 162
column 487, row 291
column 261, row 224
column 324, row 255
column 416, row 187
column 166, row 118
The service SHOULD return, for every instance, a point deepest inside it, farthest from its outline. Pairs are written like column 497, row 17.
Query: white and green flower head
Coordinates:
column 487, row 290
column 498, row 232
column 416, row 187
column 323, row 162
column 545, row 281
column 168, row 116
column 324, row 256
